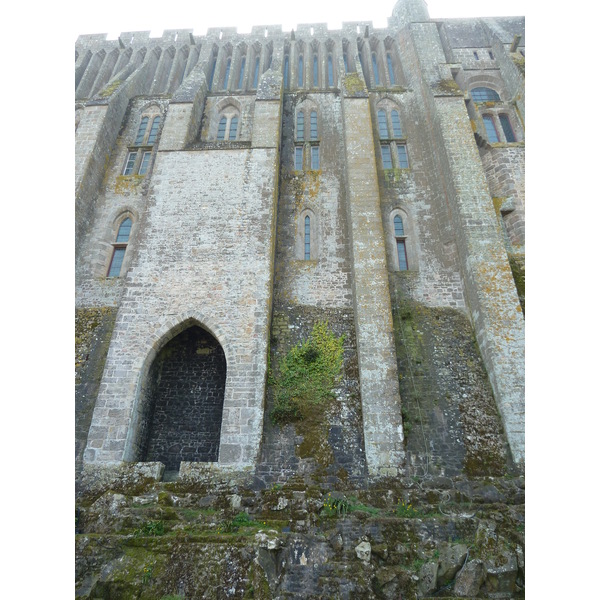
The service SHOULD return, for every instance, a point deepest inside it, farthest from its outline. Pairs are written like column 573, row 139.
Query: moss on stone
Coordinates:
column 109, row 89
column 127, row 183
column 354, row 84
column 519, row 61
column 517, row 265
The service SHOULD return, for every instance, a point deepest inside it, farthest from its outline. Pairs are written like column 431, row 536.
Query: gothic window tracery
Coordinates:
column 400, row 242
column 393, row 147
column 307, row 134
column 139, row 153
column 227, row 129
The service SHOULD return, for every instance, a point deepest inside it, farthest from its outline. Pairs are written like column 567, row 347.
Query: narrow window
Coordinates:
column 227, row 68
column 212, row 73
column 222, row 128
column 507, row 128
column 299, row 158
column 314, row 158
column 402, row 157
column 119, row 251
column 476, row 55
column 256, row 68
column 401, row 248
column 300, row 71
column 124, row 231
column 154, row 130
column 286, row 71
column 383, row 128
column 375, row 69
column 300, row 126
column 307, row 238
column 129, row 165
column 390, row 69
column 400, row 243
column 141, row 131
column 116, row 262
column 490, row 128
column 330, row 70
column 396, row 124
column 242, row 67
column 346, row 62
column 491, row 55
column 145, row 162
column 386, row 156
column 313, row 125
column 315, row 71
column 233, row 128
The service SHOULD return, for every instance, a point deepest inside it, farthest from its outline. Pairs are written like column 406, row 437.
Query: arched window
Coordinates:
column 153, row 130
column 286, row 71
column 242, row 67
column 222, row 128
column 400, row 240
column 346, row 62
column 315, row 70
column 330, row 70
column 300, row 71
column 228, row 125
column 213, row 68
column 484, row 94
column 233, row 128
column 390, row 69
column 256, row 68
column 307, row 238
column 141, row 131
column 382, row 121
column 300, row 126
column 375, row 68
column 227, row 69
column 119, row 248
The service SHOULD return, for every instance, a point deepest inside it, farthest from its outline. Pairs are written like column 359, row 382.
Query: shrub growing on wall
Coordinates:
column 307, row 375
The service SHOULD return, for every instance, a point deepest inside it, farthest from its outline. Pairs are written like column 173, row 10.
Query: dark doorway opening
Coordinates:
column 186, row 393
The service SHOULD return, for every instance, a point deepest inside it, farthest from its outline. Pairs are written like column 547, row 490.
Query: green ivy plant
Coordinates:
column 307, row 375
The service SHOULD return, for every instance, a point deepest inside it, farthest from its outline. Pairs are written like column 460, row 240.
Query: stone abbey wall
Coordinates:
column 218, row 219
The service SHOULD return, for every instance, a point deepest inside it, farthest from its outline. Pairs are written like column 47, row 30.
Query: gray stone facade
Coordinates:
column 225, row 191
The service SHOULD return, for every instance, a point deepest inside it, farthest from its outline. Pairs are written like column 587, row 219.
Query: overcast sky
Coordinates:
column 113, row 17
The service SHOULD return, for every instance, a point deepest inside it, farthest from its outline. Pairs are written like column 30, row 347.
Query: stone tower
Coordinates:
column 232, row 190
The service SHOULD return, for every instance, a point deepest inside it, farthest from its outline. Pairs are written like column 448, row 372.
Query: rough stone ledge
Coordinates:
column 118, row 476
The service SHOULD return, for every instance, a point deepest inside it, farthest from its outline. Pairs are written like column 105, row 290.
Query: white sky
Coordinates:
column 114, row 17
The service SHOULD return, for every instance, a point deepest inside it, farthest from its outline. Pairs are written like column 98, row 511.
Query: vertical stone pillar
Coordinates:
column 380, row 392
column 490, row 290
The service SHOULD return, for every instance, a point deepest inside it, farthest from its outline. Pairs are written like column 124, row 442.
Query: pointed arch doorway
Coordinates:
column 186, row 394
